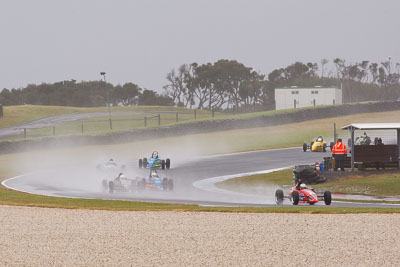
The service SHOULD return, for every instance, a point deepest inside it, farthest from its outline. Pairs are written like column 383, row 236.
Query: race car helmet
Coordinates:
column 154, row 154
column 303, row 186
column 153, row 174
column 122, row 176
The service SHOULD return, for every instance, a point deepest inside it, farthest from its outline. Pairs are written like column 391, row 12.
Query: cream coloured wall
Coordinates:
column 305, row 97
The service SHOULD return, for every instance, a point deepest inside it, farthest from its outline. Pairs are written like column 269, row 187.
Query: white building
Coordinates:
column 295, row 97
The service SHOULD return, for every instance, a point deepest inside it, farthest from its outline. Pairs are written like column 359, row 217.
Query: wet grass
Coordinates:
column 14, row 198
column 14, row 115
column 249, row 184
column 379, row 185
column 288, row 135
column 384, row 185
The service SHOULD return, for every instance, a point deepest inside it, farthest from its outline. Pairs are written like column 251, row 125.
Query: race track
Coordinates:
column 191, row 178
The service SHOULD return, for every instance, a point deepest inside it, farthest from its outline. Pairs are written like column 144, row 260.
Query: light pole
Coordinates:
column 108, row 97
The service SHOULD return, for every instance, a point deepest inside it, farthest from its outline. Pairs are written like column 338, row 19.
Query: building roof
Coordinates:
column 373, row 126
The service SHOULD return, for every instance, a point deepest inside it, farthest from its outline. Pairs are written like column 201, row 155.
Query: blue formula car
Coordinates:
column 155, row 162
column 154, row 181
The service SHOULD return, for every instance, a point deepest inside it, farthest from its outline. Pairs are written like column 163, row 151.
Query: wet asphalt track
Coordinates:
column 87, row 184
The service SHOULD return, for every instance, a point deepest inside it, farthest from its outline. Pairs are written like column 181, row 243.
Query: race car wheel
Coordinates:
column 295, row 198
column 140, row 163
column 145, row 163
column 163, row 164
column 279, row 196
column 105, row 185
column 327, row 197
column 168, row 163
column 170, row 185
column 165, row 184
column 111, row 187
column 324, row 148
column 305, row 147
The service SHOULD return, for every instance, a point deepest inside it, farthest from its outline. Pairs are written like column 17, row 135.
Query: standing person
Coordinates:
column 339, row 152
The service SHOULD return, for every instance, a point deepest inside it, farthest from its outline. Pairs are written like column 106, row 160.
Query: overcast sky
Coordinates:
column 140, row 41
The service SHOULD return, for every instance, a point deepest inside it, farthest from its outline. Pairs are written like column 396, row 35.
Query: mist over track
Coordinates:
column 85, row 182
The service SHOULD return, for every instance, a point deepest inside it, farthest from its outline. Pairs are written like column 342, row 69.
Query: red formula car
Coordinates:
column 302, row 194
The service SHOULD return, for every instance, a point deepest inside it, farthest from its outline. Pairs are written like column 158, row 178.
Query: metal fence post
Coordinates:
column 195, row 114
column 110, row 124
column 212, row 113
column 54, row 130
column 145, row 121
column 334, row 133
column 177, row 117
column 82, row 127
column 159, row 119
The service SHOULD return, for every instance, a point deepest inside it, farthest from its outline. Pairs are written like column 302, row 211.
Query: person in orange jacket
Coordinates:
column 339, row 152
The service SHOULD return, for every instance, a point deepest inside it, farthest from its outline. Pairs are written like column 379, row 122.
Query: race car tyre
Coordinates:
column 165, row 184
column 324, row 148
column 295, row 198
column 305, row 147
column 163, row 164
column 168, row 164
column 140, row 163
column 111, row 187
column 279, row 196
column 170, row 185
column 331, row 145
column 327, row 197
column 145, row 163
column 105, row 185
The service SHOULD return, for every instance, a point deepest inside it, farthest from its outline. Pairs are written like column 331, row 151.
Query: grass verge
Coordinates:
column 383, row 185
column 14, row 198
column 379, row 185
column 14, row 115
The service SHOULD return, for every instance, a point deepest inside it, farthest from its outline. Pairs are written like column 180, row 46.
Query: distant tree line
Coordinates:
column 225, row 84
column 230, row 84
column 83, row 94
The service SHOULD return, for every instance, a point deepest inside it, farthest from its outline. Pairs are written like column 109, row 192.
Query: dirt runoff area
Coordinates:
column 44, row 237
